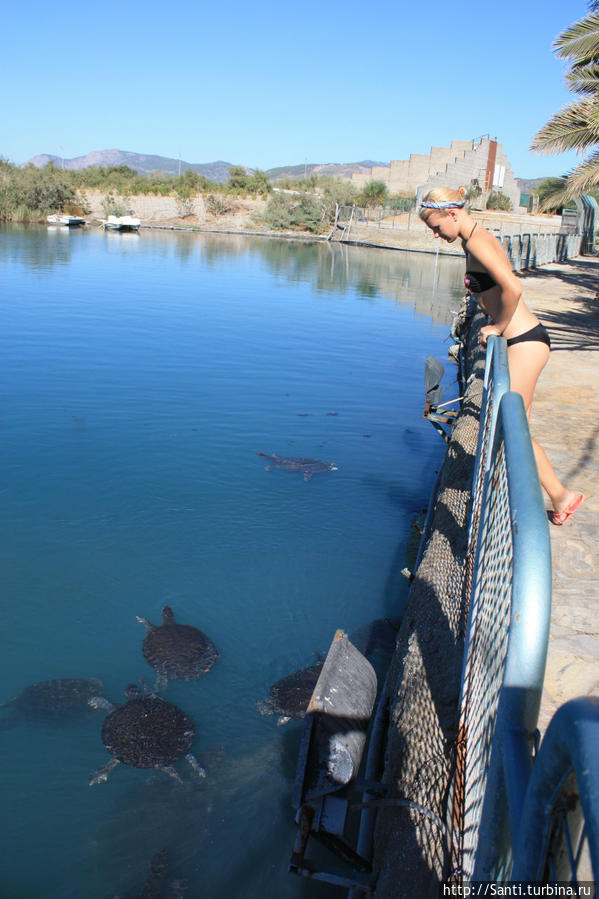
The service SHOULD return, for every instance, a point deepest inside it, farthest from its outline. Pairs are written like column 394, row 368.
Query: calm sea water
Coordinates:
column 141, row 374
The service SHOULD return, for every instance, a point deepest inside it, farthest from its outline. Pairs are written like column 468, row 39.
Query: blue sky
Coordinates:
column 268, row 84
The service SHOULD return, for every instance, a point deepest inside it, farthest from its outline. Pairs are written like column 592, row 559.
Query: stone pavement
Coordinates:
column 565, row 421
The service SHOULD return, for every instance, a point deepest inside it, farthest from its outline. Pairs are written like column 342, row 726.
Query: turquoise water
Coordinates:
column 141, row 374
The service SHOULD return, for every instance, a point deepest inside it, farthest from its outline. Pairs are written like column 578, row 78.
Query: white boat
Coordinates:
column 70, row 221
column 121, row 223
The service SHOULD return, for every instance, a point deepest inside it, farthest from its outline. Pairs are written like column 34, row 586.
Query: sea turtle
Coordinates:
column 52, row 700
column 145, row 732
column 178, row 651
column 289, row 697
column 307, row 466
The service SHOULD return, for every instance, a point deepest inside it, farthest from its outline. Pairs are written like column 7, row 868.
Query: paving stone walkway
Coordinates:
column 565, row 420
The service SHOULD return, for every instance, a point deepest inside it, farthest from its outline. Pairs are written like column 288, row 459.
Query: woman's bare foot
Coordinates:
column 567, row 507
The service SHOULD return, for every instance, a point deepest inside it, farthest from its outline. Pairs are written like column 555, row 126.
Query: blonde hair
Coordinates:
column 441, row 195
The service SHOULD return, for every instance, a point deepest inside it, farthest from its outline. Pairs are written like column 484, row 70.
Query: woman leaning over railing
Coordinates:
column 491, row 280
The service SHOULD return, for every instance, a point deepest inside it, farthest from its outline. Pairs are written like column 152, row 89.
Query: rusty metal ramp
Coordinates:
column 330, row 757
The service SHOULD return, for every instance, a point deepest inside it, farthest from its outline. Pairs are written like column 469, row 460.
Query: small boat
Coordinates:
column 70, row 221
column 121, row 223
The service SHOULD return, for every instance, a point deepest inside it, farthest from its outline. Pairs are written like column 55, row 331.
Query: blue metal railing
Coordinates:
column 515, row 818
column 506, row 644
column 531, row 249
column 558, row 835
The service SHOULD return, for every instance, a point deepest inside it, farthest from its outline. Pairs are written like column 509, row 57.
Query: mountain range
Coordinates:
column 214, row 171
column 141, row 162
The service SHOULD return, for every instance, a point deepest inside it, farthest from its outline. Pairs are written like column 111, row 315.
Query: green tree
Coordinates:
column 29, row 193
column 184, row 200
column 373, row 193
column 576, row 125
column 547, row 189
column 238, row 178
column 299, row 212
column 191, row 180
column 259, row 182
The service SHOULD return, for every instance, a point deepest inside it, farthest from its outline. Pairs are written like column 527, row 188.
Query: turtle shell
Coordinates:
column 147, row 732
column 179, row 651
column 290, row 695
column 58, row 698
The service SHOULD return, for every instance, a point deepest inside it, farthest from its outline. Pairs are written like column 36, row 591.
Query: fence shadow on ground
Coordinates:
column 573, row 329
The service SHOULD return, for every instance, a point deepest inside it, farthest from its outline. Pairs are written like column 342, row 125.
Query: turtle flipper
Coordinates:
column 161, row 682
column 145, row 622
column 168, row 769
column 307, row 475
column 102, row 773
column 263, row 706
column 195, row 765
column 100, row 702
column 8, row 702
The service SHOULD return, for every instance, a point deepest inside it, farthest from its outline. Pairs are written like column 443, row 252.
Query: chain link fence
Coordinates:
column 510, row 824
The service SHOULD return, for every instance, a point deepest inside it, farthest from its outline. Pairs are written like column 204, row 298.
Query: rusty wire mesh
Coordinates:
column 486, row 645
column 412, row 838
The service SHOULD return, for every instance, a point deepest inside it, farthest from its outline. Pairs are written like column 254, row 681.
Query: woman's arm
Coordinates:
column 487, row 250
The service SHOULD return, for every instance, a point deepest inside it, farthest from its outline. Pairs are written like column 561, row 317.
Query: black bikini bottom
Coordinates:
column 538, row 333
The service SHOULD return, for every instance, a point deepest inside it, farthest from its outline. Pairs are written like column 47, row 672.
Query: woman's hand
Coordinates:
column 486, row 332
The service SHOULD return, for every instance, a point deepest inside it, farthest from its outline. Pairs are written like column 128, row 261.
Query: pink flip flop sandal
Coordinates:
column 560, row 518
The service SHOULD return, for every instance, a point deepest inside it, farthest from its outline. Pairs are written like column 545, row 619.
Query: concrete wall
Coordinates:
column 454, row 166
column 148, row 208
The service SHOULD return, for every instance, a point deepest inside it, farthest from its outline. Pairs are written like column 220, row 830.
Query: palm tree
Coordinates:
column 576, row 126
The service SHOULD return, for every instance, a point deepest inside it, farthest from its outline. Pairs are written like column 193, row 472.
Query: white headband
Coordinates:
column 446, row 204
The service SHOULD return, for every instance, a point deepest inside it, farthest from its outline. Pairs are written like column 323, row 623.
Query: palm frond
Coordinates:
column 584, row 79
column 554, row 200
column 584, row 177
column 575, row 127
column 580, row 180
column 580, row 41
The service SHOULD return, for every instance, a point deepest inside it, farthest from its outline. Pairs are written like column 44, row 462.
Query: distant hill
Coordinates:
column 527, row 184
column 214, row 171
column 333, row 169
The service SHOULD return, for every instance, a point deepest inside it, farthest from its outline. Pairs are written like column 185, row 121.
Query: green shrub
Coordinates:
column 297, row 212
column 497, row 200
column 113, row 206
column 373, row 193
column 217, row 205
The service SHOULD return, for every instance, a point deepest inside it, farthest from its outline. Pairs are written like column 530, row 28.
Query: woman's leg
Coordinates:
column 527, row 361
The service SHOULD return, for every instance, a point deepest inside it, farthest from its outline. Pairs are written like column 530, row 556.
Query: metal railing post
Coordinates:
column 563, row 792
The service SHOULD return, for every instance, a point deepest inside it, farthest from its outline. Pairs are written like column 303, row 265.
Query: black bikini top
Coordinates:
column 477, row 282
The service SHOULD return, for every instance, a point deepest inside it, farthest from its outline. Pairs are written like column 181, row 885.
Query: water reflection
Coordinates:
column 366, row 272
column 38, row 248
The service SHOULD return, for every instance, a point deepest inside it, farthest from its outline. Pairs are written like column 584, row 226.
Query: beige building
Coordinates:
column 464, row 163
